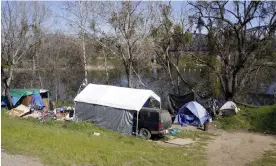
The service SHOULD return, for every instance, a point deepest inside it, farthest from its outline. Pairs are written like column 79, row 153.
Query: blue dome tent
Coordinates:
column 192, row 113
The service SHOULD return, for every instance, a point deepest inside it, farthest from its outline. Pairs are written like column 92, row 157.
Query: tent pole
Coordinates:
column 137, row 123
column 74, row 115
column 48, row 97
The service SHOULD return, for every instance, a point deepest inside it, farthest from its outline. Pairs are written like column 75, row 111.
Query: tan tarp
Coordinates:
column 20, row 110
column 46, row 103
column 27, row 100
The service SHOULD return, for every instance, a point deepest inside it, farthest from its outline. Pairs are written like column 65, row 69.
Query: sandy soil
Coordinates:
column 18, row 160
column 238, row 148
column 234, row 148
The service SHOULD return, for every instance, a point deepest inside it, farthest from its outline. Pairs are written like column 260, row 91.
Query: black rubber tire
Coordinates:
column 145, row 133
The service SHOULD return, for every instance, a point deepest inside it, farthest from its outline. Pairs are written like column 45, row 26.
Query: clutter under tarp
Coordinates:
column 175, row 102
column 35, row 114
column 110, row 106
column 192, row 113
column 228, row 109
column 64, row 113
column 26, row 97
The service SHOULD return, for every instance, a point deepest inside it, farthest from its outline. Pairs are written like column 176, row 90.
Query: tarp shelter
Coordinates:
column 192, row 113
column 26, row 97
column 175, row 102
column 229, row 108
column 111, row 107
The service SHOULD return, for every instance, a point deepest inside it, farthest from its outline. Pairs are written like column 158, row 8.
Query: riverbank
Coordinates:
column 26, row 141
column 58, row 143
column 259, row 119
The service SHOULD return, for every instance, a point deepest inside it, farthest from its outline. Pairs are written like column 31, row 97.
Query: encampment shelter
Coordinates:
column 111, row 107
column 175, row 102
column 229, row 108
column 38, row 97
column 192, row 113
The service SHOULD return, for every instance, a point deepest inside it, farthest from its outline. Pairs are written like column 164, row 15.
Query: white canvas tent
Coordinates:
column 229, row 108
column 110, row 106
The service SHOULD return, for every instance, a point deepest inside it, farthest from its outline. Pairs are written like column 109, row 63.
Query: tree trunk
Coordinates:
column 7, row 92
column 7, row 82
column 169, row 66
column 37, row 69
column 129, row 74
column 178, row 79
column 106, row 70
column 84, row 59
column 154, row 68
column 57, row 87
column 228, row 95
column 230, row 87
column 33, row 72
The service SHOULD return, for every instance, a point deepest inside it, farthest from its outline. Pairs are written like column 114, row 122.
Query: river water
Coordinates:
column 64, row 85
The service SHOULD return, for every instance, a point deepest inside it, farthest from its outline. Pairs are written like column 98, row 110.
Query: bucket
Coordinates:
column 206, row 125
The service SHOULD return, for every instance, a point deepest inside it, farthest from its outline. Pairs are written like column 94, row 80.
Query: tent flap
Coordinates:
column 106, row 117
column 177, row 101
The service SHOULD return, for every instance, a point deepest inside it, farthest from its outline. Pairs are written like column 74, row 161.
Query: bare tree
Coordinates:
column 60, row 61
column 168, row 39
column 16, row 39
column 130, row 22
column 239, row 48
column 39, row 14
column 77, row 15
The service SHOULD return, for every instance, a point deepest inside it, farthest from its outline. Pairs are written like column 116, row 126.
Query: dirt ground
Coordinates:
column 18, row 160
column 235, row 148
column 238, row 148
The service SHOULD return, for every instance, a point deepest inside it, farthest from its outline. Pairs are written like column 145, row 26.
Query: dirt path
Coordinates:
column 238, row 148
column 18, row 160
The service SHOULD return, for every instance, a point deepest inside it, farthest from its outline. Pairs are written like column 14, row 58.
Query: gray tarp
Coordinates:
column 107, row 117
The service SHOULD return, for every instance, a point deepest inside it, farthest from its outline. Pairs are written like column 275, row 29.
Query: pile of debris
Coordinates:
column 35, row 103
column 61, row 113
column 64, row 113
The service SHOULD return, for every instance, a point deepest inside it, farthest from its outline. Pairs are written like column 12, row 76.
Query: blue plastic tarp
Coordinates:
column 174, row 131
column 37, row 100
column 15, row 100
column 4, row 101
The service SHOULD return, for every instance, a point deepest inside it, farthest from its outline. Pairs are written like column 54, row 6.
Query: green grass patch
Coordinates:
column 268, row 159
column 260, row 119
column 67, row 143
